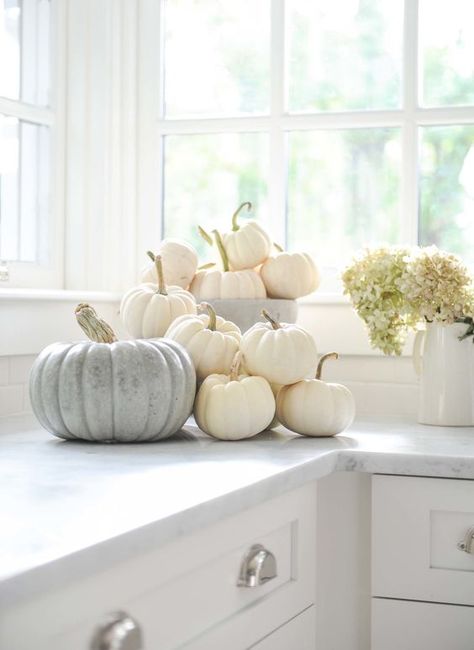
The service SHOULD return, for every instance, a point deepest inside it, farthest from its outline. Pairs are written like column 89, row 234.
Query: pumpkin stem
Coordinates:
column 159, row 272
column 235, row 366
column 221, row 249
column 206, row 236
column 275, row 324
column 235, row 225
column 278, row 247
column 324, row 358
column 205, row 306
column 203, row 267
column 95, row 328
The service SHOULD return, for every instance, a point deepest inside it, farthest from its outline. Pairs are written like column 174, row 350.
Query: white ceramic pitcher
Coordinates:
column 445, row 366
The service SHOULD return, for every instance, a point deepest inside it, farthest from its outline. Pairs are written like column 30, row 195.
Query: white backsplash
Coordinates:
column 381, row 385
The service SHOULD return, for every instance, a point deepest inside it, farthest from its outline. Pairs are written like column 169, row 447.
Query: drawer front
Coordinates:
column 297, row 634
column 417, row 524
column 182, row 591
column 403, row 625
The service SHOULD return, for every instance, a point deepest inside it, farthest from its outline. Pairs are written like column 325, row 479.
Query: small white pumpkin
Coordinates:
column 290, row 275
column 248, row 245
column 211, row 283
column 233, row 406
column 210, row 340
column 179, row 260
column 149, row 309
column 315, row 408
column 281, row 352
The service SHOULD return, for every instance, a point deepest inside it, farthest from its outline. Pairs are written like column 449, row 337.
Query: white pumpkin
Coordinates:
column 315, row 408
column 210, row 341
column 180, row 262
column 290, row 275
column 281, row 352
column 211, row 283
column 149, row 309
column 233, row 406
column 248, row 245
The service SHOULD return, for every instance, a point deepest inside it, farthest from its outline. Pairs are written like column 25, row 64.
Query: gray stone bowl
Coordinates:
column 246, row 312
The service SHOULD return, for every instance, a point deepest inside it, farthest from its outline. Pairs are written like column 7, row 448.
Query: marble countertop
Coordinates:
column 67, row 508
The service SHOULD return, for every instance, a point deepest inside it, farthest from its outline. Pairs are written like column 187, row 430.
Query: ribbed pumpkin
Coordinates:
column 211, row 283
column 106, row 390
column 149, row 309
column 248, row 245
column 289, row 275
column 180, row 262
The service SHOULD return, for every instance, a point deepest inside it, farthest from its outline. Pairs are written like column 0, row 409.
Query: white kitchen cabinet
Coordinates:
column 297, row 634
column 422, row 581
column 186, row 594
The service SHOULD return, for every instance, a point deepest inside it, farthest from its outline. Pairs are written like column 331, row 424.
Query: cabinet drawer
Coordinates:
column 182, row 591
column 403, row 625
column 417, row 524
column 297, row 634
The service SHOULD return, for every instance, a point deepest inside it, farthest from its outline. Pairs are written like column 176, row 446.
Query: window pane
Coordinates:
column 217, row 57
column 447, row 50
column 207, row 177
column 344, row 191
column 24, row 44
column 24, row 190
column 447, row 189
column 344, row 54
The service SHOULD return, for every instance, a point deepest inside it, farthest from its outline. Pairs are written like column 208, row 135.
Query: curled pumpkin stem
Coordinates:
column 235, row 366
column 94, row 327
column 324, row 358
column 221, row 249
column 159, row 272
column 274, row 323
column 279, row 248
column 211, row 312
column 235, row 225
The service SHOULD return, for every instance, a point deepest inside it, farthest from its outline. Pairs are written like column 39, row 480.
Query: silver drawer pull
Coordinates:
column 118, row 632
column 467, row 544
column 257, row 568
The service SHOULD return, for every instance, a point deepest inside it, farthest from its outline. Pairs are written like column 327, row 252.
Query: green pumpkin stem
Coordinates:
column 235, row 366
column 221, row 249
column 278, row 247
column 235, row 225
column 94, row 327
column 205, row 235
column 205, row 306
column 275, row 324
column 204, row 267
column 324, row 358
column 159, row 272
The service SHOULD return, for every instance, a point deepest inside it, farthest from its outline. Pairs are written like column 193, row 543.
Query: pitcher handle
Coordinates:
column 417, row 351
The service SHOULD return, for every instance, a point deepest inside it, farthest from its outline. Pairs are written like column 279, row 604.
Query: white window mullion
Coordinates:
column 409, row 202
column 26, row 112
column 278, row 157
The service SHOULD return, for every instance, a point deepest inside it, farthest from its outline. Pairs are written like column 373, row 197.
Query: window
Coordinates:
column 345, row 122
column 28, row 255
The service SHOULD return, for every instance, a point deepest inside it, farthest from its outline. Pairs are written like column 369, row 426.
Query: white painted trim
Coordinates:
column 39, row 295
column 26, row 112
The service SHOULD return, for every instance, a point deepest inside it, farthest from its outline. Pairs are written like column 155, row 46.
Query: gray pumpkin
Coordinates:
column 114, row 391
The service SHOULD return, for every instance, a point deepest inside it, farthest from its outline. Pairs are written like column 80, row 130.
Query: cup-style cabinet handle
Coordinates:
column 467, row 544
column 257, row 568
column 118, row 632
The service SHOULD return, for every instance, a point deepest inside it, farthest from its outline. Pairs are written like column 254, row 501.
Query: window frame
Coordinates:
column 33, row 275
column 409, row 118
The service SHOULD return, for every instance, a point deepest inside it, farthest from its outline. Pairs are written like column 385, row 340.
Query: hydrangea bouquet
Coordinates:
column 396, row 289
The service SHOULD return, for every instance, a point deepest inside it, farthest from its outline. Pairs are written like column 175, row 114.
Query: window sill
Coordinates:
column 57, row 295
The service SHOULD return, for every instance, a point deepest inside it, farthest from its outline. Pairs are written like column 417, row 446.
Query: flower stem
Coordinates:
column 235, row 366
column 221, row 249
column 94, row 327
column 275, row 324
column 324, row 358
column 159, row 272
column 235, row 225
column 212, row 315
